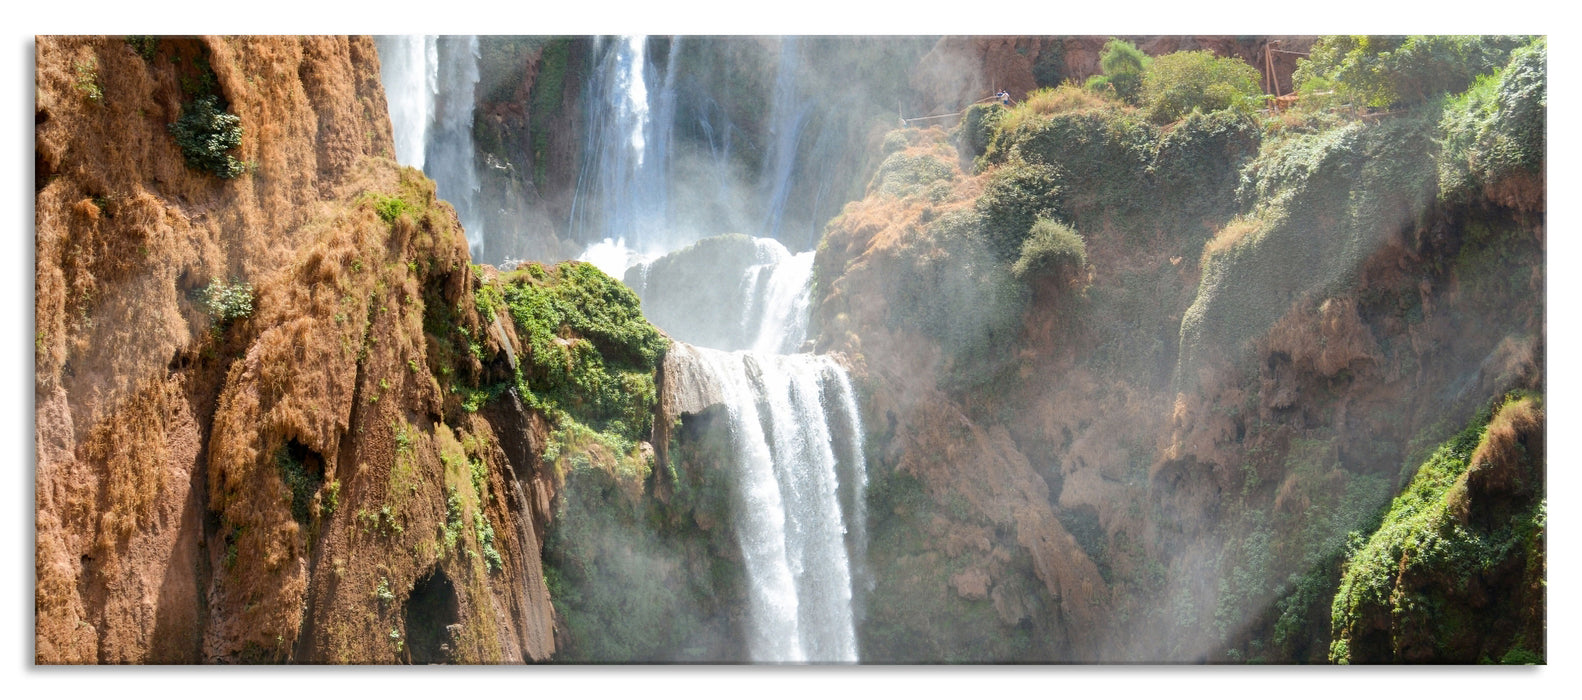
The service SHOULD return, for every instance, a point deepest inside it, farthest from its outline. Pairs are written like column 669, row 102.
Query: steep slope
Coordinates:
column 249, row 443
column 1262, row 327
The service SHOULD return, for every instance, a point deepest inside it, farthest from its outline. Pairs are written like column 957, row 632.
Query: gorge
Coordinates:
column 490, row 349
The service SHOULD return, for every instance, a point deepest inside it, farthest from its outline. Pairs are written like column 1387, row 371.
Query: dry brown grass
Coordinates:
column 1043, row 102
column 1229, row 236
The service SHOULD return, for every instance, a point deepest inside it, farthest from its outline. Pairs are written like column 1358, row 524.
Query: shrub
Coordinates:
column 88, row 80
column 145, row 46
column 1389, row 71
column 978, row 126
column 901, row 174
column 206, row 133
column 1496, row 128
column 1051, row 248
column 1184, row 81
column 1124, row 67
column 227, row 302
column 1018, row 194
column 389, row 207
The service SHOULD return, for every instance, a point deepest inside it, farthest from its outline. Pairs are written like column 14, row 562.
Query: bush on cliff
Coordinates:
column 590, row 353
column 1051, row 249
column 206, row 134
column 1415, row 590
column 1383, row 72
column 1496, row 128
column 1186, row 81
column 978, row 125
column 1017, row 194
column 1124, row 66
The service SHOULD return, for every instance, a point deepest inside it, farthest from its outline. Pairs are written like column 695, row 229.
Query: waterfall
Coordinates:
column 409, row 67
column 790, row 521
column 788, row 117
column 776, row 293
column 429, row 83
column 621, row 195
column 799, row 478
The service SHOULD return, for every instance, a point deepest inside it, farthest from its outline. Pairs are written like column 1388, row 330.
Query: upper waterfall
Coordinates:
column 429, row 85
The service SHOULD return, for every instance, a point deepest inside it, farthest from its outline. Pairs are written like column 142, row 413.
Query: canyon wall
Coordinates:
column 247, row 429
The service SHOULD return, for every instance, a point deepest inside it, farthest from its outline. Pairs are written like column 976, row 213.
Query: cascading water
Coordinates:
column 776, row 293
column 621, row 194
column 409, row 67
column 788, row 117
column 429, row 83
column 790, row 521
column 799, row 473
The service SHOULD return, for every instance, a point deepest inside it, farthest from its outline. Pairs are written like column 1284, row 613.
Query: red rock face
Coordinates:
column 165, row 531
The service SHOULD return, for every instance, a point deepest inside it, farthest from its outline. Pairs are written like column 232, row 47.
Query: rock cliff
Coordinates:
column 249, row 443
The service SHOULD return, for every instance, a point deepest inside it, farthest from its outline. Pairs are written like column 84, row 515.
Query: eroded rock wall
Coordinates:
column 274, row 484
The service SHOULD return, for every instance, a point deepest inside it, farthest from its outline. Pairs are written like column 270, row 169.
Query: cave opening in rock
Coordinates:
column 433, row 616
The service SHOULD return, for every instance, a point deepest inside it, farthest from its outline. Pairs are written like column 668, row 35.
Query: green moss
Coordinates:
column 590, row 353
column 1497, row 127
column 1411, row 574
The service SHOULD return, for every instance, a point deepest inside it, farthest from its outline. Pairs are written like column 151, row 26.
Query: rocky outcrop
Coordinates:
column 245, row 448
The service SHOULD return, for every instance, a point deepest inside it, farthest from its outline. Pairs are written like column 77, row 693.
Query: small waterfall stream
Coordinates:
column 429, row 84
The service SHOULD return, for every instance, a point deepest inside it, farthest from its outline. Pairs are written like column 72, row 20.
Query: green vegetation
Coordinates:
column 88, row 80
column 389, row 207
column 1384, row 72
column 978, row 125
column 1178, row 84
column 1017, row 195
column 1049, row 69
column 901, row 175
column 206, row 134
column 1404, row 594
column 301, row 482
column 591, row 355
column 1051, row 249
column 227, row 302
column 145, row 46
column 1497, row 127
column 1124, row 67
column 548, row 95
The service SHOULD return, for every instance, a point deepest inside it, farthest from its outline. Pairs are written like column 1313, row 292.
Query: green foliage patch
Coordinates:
column 1497, row 127
column 1178, row 84
column 206, row 134
column 1052, row 248
column 591, row 355
column 1421, row 540
column 1395, row 71
column 1124, row 66
column 227, row 302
